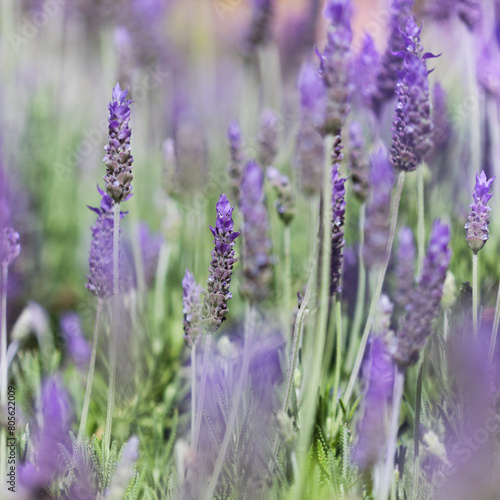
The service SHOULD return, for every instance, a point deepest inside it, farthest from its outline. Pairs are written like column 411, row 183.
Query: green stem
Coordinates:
column 338, row 360
column 309, row 405
column 421, row 219
column 496, row 321
column 90, row 377
column 475, row 293
column 114, row 333
column 193, row 391
column 287, row 280
column 161, row 275
column 228, row 434
column 385, row 485
column 360, row 294
column 4, row 371
column 206, row 360
column 378, row 291
column 416, row 431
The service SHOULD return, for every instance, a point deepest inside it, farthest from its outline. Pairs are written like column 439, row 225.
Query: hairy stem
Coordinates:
column 287, row 280
column 378, row 290
column 385, row 486
column 421, row 219
column 90, row 376
column 4, row 371
column 494, row 331
column 201, row 396
column 360, row 293
column 193, row 391
column 416, row 431
column 114, row 332
column 308, row 408
column 475, row 293
column 228, row 434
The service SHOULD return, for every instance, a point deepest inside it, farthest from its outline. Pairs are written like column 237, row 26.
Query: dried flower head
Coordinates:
column 221, row 267
column 479, row 215
column 118, row 158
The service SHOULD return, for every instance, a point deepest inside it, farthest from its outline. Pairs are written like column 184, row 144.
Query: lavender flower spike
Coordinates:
column 426, row 298
column 118, row 158
column 100, row 277
column 9, row 246
column 412, row 125
column 267, row 137
column 359, row 162
column 479, row 216
column 405, row 268
column 191, row 302
column 221, row 267
column 338, row 213
column 257, row 261
column 335, row 66
column 237, row 163
column 260, row 27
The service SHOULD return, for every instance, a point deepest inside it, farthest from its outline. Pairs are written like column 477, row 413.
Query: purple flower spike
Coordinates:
column 260, row 26
column 335, row 65
column 412, row 125
column 479, row 216
column 77, row 346
column 426, row 298
column 257, row 261
column 378, row 209
column 237, row 163
column 267, row 137
column 10, row 247
column 312, row 93
column 221, row 267
column 392, row 61
column 55, row 413
column 365, row 67
column 100, row 277
column 405, row 268
column 191, row 302
column 338, row 214
column 379, row 375
column 118, row 158
column 359, row 162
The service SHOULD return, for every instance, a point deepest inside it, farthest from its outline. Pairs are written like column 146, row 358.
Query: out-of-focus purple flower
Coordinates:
column 378, row 209
column 468, row 11
column 221, row 267
column 123, row 44
column 309, row 149
column 55, row 417
column 364, row 74
column 100, row 277
column 118, row 158
column 285, row 204
column 479, row 215
column 260, row 403
column 150, row 244
column 237, row 162
column 338, row 214
column 170, row 173
column 191, row 307
column 378, row 373
column 191, row 149
column 412, row 125
column 257, row 261
column 488, row 69
column 267, row 137
column 78, row 347
column 441, row 119
column 10, row 248
column 359, row 162
column 392, row 61
column 405, row 268
column 260, row 26
column 335, row 65
column 426, row 298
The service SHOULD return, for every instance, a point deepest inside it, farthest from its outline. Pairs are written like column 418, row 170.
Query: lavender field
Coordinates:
column 249, row 249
